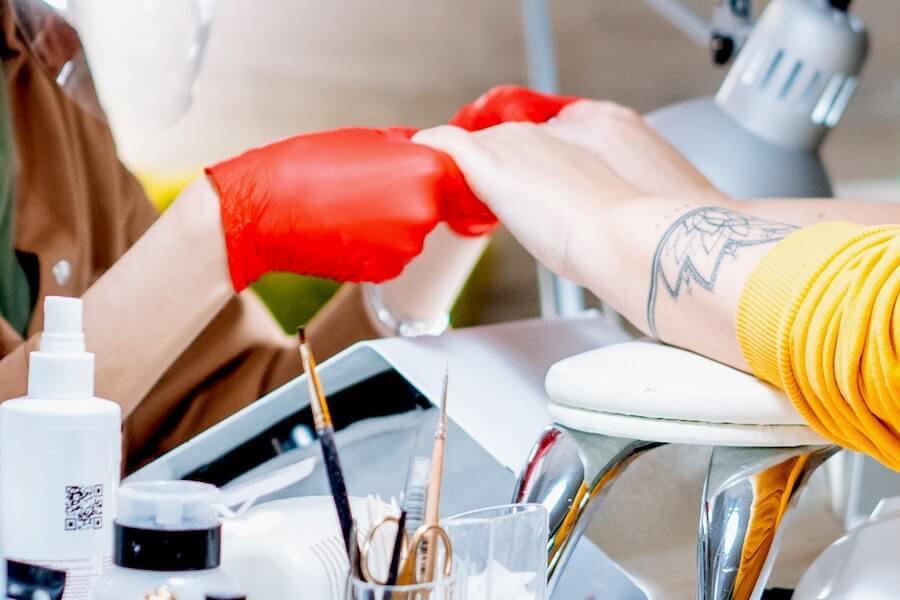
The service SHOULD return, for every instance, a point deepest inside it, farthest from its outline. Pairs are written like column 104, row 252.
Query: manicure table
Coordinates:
column 499, row 405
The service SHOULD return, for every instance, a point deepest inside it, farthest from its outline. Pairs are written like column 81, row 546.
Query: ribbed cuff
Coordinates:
column 773, row 293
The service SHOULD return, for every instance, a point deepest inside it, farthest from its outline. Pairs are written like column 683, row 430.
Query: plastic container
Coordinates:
column 60, row 455
column 292, row 548
column 862, row 565
column 167, row 544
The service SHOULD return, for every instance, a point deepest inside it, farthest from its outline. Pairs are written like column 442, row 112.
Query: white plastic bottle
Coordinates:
column 168, row 544
column 60, row 456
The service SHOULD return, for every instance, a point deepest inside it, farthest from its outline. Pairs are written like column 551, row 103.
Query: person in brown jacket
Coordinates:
column 175, row 346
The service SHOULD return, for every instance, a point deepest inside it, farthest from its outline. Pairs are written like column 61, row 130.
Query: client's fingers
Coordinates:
column 472, row 158
column 462, row 146
column 465, row 213
column 598, row 108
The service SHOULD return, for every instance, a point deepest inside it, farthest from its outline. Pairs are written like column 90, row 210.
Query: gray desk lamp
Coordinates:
column 760, row 135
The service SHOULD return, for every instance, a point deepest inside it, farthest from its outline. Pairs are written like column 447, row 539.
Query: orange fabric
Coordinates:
column 773, row 490
column 818, row 317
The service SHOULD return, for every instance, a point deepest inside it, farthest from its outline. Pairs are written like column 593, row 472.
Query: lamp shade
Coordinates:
column 760, row 135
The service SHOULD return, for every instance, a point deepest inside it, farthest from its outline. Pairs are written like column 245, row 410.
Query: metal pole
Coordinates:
column 558, row 296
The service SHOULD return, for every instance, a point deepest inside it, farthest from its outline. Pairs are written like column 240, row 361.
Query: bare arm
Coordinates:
column 681, row 261
column 145, row 311
column 816, row 210
column 676, row 269
column 662, row 246
column 673, row 265
column 691, row 260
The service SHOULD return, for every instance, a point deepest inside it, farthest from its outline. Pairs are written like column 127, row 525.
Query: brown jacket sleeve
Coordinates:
column 242, row 355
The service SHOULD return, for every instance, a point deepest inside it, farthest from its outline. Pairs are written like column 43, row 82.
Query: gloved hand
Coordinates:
column 551, row 195
column 501, row 104
column 350, row 204
column 354, row 204
column 507, row 103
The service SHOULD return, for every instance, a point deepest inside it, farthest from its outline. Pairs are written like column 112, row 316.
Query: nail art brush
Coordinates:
column 325, row 433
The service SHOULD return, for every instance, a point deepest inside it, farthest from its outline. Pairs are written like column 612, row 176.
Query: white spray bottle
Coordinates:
column 60, row 456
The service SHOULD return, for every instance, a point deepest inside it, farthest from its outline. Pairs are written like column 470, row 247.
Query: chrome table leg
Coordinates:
column 746, row 496
column 569, row 472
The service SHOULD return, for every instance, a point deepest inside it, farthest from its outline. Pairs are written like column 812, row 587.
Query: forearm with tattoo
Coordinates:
column 696, row 247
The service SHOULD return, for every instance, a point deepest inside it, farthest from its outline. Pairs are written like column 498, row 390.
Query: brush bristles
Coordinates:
column 301, row 335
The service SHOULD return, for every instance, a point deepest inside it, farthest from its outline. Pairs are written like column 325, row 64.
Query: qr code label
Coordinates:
column 84, row 507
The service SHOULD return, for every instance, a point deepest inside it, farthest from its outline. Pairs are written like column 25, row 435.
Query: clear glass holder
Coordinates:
column 449, row 588
column 398, row 324
column 501, row 552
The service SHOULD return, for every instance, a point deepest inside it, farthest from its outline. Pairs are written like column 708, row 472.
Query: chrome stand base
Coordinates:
column 569, row 472
column 746, row 497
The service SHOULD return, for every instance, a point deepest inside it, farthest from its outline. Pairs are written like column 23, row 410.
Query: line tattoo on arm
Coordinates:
column 694, row 247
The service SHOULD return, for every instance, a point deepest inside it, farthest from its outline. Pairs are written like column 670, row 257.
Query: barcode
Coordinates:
column 84, row 507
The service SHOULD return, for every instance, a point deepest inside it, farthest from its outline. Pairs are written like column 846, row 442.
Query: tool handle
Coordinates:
column 433, row 508
column 338, row 487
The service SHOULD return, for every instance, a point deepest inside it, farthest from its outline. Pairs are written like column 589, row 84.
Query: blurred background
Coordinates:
column 282, row 67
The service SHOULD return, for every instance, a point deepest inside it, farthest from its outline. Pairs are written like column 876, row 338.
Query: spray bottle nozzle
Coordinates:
column 61, row 369
column 63, row 329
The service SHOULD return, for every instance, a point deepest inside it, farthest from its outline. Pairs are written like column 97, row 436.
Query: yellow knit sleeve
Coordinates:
column 818, row 318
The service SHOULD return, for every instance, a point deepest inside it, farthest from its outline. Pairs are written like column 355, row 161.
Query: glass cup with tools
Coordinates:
column 501, row 552
column 445, row 588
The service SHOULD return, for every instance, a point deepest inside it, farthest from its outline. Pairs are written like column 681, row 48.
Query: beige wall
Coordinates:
column 277, row 67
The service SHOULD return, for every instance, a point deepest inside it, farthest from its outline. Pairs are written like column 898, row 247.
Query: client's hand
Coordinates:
column 350, row 204
column 500, row 104
column 549, row 193
column 623, row 140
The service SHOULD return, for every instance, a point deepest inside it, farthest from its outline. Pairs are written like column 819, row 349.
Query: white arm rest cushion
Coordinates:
column 646, row 379
column 648, row 391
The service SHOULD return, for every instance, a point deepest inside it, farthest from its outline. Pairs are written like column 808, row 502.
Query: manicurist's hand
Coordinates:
column 350, row 204
column 549, row 193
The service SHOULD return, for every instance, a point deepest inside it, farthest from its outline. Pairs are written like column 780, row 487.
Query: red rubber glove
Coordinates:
column 350, row 205
column 506, row 103
column 501, row 104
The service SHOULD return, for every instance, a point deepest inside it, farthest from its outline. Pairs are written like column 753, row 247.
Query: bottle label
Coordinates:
column 59, row 511
column 81, row 574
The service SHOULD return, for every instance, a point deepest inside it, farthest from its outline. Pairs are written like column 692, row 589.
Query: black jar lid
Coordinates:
column 167, row 550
